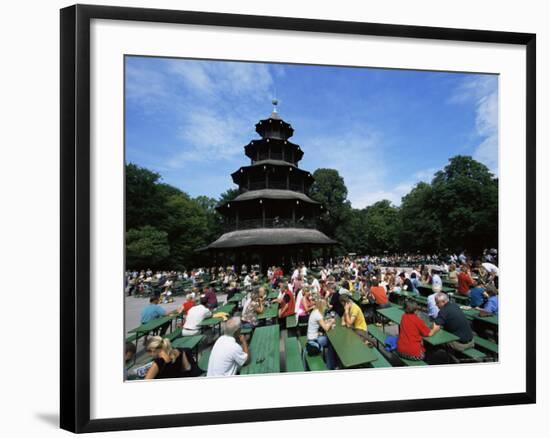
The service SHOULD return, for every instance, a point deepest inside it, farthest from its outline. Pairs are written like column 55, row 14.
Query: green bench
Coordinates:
column 485, row 344
column 381, row 361
column 377, row 334
column 293, row 356
column 314, row 363
column 412, row 363
column 173, row 334
column 291, row 321
column 472, row 353
column 203, row 359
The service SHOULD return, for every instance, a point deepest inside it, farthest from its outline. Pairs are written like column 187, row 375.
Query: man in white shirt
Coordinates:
column 437, row 284
column 195, row 315
column 230, row 352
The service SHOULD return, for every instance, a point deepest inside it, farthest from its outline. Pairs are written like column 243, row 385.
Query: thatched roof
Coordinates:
column 271, row 236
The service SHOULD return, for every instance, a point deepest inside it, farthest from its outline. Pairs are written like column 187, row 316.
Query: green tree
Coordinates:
column 381, row 228
column 146, row 246
column 420, row 219
column 329, row 189
column 466, row 198
column 228, row 195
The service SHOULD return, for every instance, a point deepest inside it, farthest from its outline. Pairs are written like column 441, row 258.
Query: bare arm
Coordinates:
column 244, row 346
column 434, row 329
column 152, row 372
column 325, row 325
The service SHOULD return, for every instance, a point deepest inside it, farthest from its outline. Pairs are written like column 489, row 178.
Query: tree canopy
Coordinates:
column 457, row 210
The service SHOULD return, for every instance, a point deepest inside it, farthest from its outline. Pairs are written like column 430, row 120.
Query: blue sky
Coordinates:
column 383, row 130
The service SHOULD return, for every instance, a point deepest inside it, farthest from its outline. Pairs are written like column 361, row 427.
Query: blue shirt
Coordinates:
column 476, row 296
column 492, row 305
column 433, row 310
column 151, row 312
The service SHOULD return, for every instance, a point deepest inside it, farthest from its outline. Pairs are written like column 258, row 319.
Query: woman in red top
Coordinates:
column 411, row 331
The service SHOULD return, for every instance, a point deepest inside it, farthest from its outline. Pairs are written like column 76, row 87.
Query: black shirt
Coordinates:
column 452, row 319
column 336, row 304
column 171, row 370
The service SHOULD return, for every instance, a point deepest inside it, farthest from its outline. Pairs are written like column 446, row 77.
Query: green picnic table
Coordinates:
column 270, row 312
column 236, row 298
column 442, row 337
column 152, row 325
column 472, row 314
column 350, row 347
column 226, row 308
column 191, row 342
column 273, row 294
column 428, row 287
column 264, row 351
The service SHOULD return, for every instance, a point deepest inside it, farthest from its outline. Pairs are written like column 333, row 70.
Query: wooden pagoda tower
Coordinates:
column 272, row 221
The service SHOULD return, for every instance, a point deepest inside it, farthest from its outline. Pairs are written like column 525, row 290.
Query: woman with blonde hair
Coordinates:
column 168, row 362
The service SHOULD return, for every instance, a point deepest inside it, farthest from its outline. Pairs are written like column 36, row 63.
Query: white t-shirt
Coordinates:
column 315, row 285
column 436, row 282
column 313, row 324
column 490, row 268
column 195, row 316
column 226, row 357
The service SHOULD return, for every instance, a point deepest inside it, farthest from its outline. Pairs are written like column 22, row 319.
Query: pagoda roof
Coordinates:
column 274, row 194
column 274, row 163
column 271, row 237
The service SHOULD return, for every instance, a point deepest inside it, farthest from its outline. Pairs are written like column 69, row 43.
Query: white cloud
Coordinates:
column 482, row 91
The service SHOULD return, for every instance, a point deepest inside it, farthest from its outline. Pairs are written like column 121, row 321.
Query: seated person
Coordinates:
column 378, row 294
column 189, row 302
column 304, row 305
column 465, row 281
column 318, row 322
column 152, row 311
column 353, row 318
column 230, row 352
column 129, row 354
column 254, row 308
column 452, row 319
column 168, row 362
column 412, row 329
column 212, row 299
column 477, row 295
column 194, row 317
column 491, row 306
column 287, row 305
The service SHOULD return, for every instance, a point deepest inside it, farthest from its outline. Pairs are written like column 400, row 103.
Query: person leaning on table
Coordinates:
column 230, row 352
column 412, row 329
column 452, row 319
column 168, row 362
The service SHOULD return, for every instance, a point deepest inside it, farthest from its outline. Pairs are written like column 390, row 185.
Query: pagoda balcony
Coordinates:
column 281, row 185
column 245, row 224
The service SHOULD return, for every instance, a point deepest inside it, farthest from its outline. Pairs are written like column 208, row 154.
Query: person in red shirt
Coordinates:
column 411, row 331
column 190, row 302
column 378, row 293
column 287, row 305
column 465, row 281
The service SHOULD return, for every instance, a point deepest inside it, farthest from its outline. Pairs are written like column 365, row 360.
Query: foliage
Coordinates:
column 146, row 246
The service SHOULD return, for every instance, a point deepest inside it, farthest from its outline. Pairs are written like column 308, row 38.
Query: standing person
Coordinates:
column 412, row 329
column 168, row 362
column 465, row 280
column 315, row 324
column 452, row 319
column 194, row 317
column 230, row 352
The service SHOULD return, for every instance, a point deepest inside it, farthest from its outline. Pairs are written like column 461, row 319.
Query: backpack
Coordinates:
column 313, row 348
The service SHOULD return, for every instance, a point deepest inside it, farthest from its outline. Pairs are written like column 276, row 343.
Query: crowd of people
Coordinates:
column 345, row 291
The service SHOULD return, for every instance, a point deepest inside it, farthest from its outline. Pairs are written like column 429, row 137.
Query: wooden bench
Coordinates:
column 291, row 321
column 377, row 334
column 314, row 363
column 381, row 361
column 203, row 359
column 173, row 334
column 293, row 356
column 472, row 353
column 485, row 344
column 412, row 363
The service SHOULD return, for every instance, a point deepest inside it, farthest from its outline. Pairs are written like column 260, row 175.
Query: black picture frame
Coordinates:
column 75, row 216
